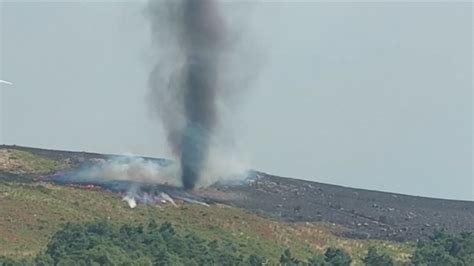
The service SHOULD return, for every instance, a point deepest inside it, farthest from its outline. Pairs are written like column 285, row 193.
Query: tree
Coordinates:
column 43, row 260
column 444, row 249
column 433, row 255
column 337, row 257
column 104, row 243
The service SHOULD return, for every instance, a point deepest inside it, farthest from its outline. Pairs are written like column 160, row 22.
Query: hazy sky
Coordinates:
column 371, row 95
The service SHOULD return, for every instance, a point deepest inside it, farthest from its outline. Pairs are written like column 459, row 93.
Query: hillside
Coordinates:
column 265, row 215
column 365, row 214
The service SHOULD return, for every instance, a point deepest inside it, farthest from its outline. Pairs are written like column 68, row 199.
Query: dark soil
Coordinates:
column 367, row 214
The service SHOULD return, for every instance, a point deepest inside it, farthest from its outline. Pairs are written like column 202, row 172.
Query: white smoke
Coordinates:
column 131, row 201
column 225, row 164
column 167, row 198
column 135, row 169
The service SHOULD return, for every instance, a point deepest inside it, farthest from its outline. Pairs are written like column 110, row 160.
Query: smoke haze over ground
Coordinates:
column 131, row 168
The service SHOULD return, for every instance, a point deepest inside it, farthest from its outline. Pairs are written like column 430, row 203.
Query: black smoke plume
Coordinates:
column 189, row 37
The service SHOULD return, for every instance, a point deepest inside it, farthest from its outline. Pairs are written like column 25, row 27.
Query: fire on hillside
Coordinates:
column 133, row 192
column 136, row 180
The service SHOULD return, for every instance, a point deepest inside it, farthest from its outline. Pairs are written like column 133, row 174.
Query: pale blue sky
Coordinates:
column 371, row 95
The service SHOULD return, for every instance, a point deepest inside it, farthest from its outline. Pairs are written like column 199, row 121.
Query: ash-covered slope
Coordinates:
column 368, row 214
column 365, row 213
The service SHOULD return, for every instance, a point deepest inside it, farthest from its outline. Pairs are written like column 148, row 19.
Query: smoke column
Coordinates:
column 184, row 82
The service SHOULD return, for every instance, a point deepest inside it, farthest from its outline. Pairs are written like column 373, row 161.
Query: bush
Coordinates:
column 4, row 261
column 255, row 260
column 374, row 258
column 287, row 259
column 317, row 260
column 337, row 257
column 103, row 243
column 443, row 249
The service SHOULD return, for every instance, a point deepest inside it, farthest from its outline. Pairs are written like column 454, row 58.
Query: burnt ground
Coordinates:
column 365, row 213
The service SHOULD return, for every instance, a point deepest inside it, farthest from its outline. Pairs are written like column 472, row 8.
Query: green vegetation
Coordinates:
column 105, row 243
column 35, row 216
column 36, row 229
column 23, row 162
column 32, row 213
column 332, row 257
column 445, row 250
column 337, row 257
column 374, row 258
column 45, row 224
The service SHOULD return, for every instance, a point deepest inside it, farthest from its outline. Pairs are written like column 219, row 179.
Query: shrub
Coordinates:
column 287, row 259
column 443, row 249
column 103, row 243
column 317, row 260
column 337, row 257
column 374, row 258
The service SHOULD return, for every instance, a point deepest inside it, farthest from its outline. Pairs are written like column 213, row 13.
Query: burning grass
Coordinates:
column 32, row 213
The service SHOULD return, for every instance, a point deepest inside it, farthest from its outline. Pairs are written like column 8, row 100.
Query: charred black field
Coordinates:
column 367, row 214
column 361, row 214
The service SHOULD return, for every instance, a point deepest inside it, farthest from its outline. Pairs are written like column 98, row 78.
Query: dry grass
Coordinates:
column 31, row 213
column 22, row 162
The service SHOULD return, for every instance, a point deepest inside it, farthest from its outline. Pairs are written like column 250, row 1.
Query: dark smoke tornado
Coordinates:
column 184, row 86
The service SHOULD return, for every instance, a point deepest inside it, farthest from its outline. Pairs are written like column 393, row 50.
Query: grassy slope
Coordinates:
column 31, row 213
column 22, row 162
